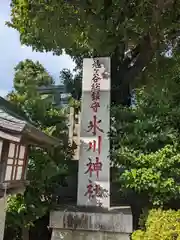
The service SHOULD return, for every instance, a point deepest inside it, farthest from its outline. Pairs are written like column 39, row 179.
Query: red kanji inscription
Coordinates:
column 94, row 167
column 94, row 144
column 96, row 76
column 95, row 86
column 94, row 126
column 92, row 190
column 96, row 63
column 95, row 95
column 95, row 106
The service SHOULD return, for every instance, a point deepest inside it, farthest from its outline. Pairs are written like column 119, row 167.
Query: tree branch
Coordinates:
column 143, row 53
column 144, row 56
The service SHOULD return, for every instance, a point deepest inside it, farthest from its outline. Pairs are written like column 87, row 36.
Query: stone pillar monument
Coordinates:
column 93, row 217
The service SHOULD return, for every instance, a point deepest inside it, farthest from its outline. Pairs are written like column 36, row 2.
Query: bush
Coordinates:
column 160, row 225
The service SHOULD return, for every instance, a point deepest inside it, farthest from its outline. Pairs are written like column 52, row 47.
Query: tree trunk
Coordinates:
column 40, row 231
column 25, row 233
column 120, row 91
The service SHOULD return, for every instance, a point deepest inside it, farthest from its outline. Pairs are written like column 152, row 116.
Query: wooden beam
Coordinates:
column 13, row 138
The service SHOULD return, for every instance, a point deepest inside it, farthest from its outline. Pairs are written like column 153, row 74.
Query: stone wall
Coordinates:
column 87, row 235
column 86, row 224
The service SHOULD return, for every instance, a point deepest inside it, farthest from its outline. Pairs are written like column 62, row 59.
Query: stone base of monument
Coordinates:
column 85, row 223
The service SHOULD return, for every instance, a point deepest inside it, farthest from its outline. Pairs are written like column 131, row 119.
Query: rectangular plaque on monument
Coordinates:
column 94, row 162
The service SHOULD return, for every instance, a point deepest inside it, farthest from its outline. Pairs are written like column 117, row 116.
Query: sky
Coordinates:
column 12, row 52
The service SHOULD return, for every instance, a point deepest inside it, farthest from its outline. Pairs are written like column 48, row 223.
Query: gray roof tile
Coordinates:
column 10, row 122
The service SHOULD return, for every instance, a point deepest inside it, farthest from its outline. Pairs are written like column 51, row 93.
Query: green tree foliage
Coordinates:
column 46, row 167
column 130, row 32
column 145, row 137
column 160, row 225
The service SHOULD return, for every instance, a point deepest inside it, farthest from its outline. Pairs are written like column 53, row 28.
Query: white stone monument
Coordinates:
column 94, row 162
column 93, row 217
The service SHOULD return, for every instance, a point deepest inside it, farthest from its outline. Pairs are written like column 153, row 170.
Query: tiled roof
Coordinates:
column 10, row 122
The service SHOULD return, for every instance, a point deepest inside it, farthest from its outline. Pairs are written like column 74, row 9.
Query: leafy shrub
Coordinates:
column 160, row 225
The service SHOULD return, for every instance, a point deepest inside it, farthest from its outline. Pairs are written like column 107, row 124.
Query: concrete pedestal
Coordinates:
column 91, row 224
